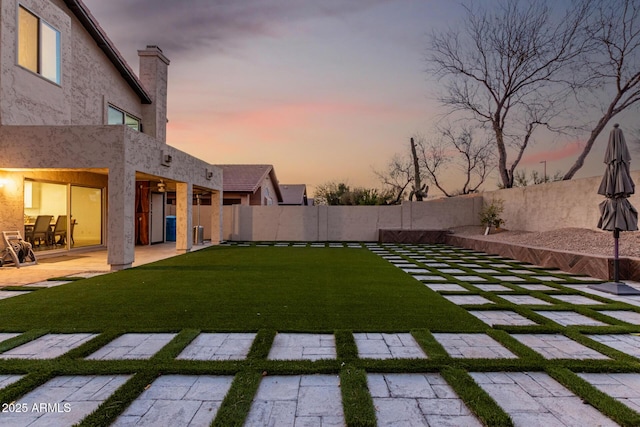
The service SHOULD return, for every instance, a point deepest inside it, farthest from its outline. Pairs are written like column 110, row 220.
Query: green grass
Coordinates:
column 233, row 289
column 284, row 289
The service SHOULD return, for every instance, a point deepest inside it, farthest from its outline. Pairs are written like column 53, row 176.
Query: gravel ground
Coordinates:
column 579, row 240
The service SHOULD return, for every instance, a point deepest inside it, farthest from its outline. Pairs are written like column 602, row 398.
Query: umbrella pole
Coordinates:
column 616, row 258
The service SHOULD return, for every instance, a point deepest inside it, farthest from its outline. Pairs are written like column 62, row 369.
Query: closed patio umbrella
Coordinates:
column 616, row 212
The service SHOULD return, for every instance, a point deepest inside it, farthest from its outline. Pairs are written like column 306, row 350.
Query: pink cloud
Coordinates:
column 569, row 150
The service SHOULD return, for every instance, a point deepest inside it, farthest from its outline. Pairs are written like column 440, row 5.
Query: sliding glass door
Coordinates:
column 86, row 216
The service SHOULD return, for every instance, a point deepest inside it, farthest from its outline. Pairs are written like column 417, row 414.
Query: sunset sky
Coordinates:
column 323, row 90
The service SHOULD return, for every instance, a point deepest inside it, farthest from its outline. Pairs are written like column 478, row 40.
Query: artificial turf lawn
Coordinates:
column 245, row 289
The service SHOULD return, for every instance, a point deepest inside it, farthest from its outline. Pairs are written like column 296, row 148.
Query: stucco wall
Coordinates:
column 344, row 223
column 88, row 79
column 555, row 205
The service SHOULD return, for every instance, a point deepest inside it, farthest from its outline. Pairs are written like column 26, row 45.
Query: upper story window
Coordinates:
column 38, row 46
column 119, row 117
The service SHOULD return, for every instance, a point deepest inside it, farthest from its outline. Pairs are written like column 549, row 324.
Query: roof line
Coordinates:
column 88, row 21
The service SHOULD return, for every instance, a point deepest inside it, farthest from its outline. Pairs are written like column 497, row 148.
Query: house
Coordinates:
column 83, row 138
column 294, row 195
column 250, row 185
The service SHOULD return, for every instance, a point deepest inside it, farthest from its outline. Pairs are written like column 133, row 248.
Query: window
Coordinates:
column 119, row 117
column 38, row 46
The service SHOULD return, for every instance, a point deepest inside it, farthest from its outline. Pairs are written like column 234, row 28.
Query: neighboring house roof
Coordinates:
column 91, row 25
column 248, row 178
column 293, row 194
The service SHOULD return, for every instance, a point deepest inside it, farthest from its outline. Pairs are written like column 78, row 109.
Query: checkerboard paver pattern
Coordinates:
column 132, row 346
column 297, row 400
column 624, row 387
column 536, row 399
column 219, row 346
column 388, row 346
column 470, row 346
column 177, row 400
column 48, row 346
column 417, row 400
column 67, row 400
column 303, row 347
column 555, row 346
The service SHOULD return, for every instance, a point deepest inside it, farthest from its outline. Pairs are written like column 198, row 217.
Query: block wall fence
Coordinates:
column 540, row 207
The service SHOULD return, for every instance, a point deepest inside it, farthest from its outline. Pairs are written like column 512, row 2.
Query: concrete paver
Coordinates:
column 417, row 400
column 7, row 336
column 628, row 344
column 624, row 387
column 577, row 299
column 472, row 346
column 502, row 317
column 524, row 300
column 468, row 299
column 132, row 346
column 556, row 346
column 493, row 288
column 388, row 346
column 536, row 287
column 6, row 380
column 12, row 294
column 566, row 318
column 303, row 346
column 535, row 399
column 297, row 400
column 632, row 317
column 446, row 287
column 218, row 346
column 48, row 346
column 177, row 400
column 63, row 401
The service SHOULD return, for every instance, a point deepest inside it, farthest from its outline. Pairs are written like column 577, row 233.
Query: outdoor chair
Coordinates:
column 16, row 250
column 59, row 234
column 41, row 231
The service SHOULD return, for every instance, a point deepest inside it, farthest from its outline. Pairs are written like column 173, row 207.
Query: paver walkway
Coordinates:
column 466, row 278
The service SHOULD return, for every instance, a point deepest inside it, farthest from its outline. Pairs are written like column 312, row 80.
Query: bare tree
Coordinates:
column 613, row 64
column 397, row 177
column 462, row 151
column 419, row 190
column 504, row 66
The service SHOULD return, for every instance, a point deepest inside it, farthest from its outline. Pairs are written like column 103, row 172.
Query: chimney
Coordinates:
column 153, row 76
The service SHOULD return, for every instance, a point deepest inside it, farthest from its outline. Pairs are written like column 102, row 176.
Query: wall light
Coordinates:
column 3, row 182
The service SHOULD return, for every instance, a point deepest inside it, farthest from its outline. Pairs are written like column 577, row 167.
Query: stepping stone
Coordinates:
column 522, row 272
column 502, row 317
column 48, row 346
column 548, row 278
column 499, row 265
column 468, row 265
column 132, row 346
column 300, row 400
column 303, row 347
column 428, row 278
column 177, row 400
column 417, row 400
column 11, row 294
column 388, row 346
column 470, row 278
column 524, row 300
column 537, row 287
column 628, row 344
column 451, row 271
column 536, row 399
column 415, row 270
column 436, row 264
column 468, row 299
column 555, row 346
column 577, row 299
column 493, row 288
column 509, row 278
column 64, row 401
column 632, row 317
column 473, row 346
column 89, row 274
column 566, row 318
column 485, row 271
column 6, row 380
column 446, row 287
column 218, row 346
column 622, row 387
column 7, row 336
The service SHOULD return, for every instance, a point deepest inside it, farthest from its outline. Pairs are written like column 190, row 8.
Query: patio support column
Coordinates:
column 184, row 221
column 121, row 217
column 216, row 217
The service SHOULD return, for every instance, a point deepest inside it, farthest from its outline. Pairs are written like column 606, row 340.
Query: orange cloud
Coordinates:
column 569, row 150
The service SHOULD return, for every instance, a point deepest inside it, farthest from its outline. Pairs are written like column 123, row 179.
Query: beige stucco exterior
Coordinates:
column 59, row 133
